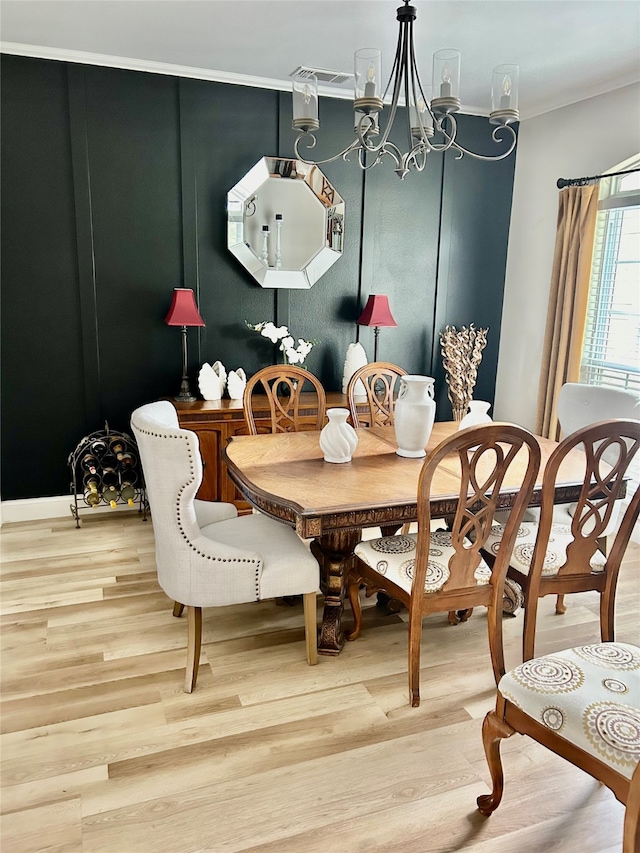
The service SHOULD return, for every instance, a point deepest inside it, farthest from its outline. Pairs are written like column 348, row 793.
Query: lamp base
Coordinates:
column 185, row 395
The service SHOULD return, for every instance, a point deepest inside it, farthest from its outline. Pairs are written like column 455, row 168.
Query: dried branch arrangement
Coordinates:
column 461, row 356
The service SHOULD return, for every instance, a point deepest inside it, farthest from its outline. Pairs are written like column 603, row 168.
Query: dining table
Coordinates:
column 285, row 476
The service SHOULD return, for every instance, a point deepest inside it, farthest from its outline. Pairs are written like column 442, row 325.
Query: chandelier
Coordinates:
column 430, row 121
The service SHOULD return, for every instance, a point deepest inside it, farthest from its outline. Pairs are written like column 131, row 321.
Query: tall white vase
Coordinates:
column 478, row 414
column 414, row 414
column 338, row 439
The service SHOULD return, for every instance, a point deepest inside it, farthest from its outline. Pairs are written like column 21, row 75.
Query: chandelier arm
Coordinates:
column 450, row 136
column 410, row 159
column 396, row 63
column 502, row 156
column 354, row 146
column 392, row 150
column 380, row 154
column 408, row 78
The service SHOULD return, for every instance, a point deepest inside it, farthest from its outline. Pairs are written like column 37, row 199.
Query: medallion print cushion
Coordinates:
column 589, row 694
column 394, row 557
column 556, row 553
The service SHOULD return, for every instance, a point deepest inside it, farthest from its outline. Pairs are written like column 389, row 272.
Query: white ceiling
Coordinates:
column 567, row 50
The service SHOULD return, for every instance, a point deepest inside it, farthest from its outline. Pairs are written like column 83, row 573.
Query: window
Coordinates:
column 611, row 350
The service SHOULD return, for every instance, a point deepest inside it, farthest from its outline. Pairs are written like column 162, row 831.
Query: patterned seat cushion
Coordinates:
column 589, row 695
column 394, row 557
column 556, row 555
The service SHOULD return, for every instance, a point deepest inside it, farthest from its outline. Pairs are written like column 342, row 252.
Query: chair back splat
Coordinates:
column 380, row 382
column 296, row 398
column 443, row 571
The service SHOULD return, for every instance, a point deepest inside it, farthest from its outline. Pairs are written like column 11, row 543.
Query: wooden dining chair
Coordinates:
column 283, row 385
column 582, row 703
column 555, row 559
column 371, row 396
column 374, row 407
column 443, row 570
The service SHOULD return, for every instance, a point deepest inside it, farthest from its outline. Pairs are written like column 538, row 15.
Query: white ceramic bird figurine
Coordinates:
column 212, row 380
column 236, row 383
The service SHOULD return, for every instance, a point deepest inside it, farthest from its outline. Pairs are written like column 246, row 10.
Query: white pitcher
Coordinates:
column 414, row 414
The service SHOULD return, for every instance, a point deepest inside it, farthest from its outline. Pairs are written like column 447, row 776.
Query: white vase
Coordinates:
column 477, row 414
column 414, row 414
column 355, row 358
column 338, row 439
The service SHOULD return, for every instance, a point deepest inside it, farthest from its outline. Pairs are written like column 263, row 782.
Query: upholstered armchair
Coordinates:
column 206, row 555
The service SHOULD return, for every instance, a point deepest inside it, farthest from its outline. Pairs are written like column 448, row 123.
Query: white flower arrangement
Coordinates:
column 292, row 353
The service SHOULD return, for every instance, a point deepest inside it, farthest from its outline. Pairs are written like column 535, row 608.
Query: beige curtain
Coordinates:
column 566, row 316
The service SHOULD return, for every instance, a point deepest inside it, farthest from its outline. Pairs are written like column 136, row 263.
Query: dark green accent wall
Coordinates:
column 114, row 188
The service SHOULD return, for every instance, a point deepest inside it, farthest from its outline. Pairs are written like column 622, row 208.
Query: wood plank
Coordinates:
column 103, row 751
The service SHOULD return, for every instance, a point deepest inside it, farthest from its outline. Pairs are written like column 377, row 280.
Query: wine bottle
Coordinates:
column 98, row 447
column 128, row 477
column 109, row 460
column 89, row 463
column 117, row 448
column 110, row 476
column 128, row 494
column 110, row 494
column 91, row 494
column 128, row 460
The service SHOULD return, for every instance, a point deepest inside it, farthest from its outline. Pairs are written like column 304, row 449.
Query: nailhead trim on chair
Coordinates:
column 178, row 508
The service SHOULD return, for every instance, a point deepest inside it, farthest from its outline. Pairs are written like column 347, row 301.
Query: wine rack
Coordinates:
column 105, row 470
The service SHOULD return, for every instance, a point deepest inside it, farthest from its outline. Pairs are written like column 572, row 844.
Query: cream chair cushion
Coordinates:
column 589, row 695
column 284, row 555
column 556, row 554
column 394, row 557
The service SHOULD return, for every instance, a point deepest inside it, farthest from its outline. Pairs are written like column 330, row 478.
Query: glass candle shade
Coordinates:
column 305, row 102
column 504, row 88
column 420, row 115
column 368, row 79
column 446, row 74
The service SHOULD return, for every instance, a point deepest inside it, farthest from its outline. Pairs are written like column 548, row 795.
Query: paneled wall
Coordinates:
column 114, row 187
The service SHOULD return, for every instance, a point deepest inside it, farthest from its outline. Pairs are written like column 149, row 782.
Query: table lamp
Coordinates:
column 376, row 313
column 184, row 312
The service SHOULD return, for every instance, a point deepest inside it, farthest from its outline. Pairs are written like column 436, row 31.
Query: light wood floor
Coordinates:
column 102, row 752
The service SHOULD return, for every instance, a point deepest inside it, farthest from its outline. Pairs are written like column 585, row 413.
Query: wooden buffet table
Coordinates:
column 286, row 477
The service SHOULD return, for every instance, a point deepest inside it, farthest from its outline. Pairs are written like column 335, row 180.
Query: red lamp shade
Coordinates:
column 183, row 311
column 377, row 312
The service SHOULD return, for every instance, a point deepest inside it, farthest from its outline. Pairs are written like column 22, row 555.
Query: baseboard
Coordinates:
column 58, row 506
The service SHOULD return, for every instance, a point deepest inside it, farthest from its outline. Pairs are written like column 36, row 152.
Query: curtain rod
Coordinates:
column 582, row 182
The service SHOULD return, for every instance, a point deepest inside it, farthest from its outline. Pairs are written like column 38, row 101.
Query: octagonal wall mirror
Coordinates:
column 285, row 223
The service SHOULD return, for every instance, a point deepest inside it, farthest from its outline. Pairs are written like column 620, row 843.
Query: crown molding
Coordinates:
column 151, row 67
column 129, row 64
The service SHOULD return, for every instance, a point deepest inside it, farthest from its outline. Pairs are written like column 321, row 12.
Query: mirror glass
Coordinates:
column 285, row 223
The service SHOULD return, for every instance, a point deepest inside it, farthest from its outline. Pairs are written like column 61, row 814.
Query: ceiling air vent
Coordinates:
column 324, row 76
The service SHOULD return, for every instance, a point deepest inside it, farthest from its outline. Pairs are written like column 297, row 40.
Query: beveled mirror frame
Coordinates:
column 305, row 222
